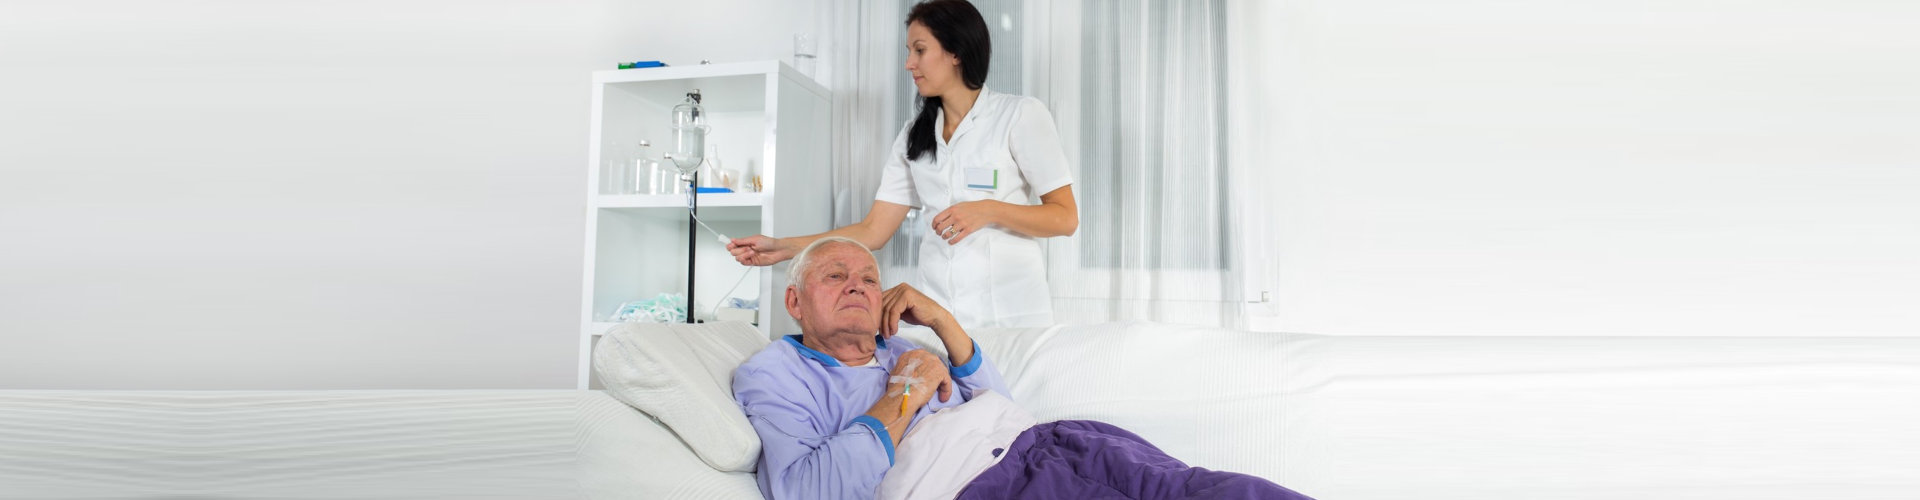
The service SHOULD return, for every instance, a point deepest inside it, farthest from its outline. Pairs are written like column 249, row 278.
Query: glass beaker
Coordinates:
column 617, row 174
column 639, row 177
column 666, row 179
column 710, row 171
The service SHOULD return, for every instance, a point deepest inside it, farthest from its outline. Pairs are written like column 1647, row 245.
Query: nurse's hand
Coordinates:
column 962, row 219
column 758, row 250
column 904, row 303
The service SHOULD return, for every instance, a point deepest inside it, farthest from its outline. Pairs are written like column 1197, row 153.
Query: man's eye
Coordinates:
column 835, row 276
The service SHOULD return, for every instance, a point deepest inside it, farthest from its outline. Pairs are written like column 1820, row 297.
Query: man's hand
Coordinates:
column 759, row 250
column 931, row 374
column 904, row 303
column 897, row 407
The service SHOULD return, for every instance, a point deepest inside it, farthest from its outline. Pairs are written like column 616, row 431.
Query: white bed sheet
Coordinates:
column 1339, row 418
column 344, row 444
column 1390, row 418
column 1603, row 418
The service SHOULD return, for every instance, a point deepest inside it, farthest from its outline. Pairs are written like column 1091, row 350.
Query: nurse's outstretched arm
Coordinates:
column 873, row 231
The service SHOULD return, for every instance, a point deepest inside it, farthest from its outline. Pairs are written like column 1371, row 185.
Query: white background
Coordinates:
column 313, row 195
column 1688, row 167
column 309, row 195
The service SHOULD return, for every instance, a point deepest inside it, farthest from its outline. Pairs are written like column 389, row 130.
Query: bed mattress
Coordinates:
column 1338, row 418
column 343, row 444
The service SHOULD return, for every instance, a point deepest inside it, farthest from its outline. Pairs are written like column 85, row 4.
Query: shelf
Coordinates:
column 678, row 214
column 676, row 200
column 709, row 74
column 767, row 120
column 723, row 91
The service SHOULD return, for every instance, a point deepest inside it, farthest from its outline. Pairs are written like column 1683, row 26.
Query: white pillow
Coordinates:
column 621, row 454
column 682, row 375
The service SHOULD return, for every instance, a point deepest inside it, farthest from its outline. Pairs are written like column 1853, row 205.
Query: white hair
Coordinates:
column 797, row 273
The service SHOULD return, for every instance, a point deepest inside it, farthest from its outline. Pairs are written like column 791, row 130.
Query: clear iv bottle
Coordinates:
column 689, row 134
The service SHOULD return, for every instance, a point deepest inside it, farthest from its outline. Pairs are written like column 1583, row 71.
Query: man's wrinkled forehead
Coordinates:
column 842, row 258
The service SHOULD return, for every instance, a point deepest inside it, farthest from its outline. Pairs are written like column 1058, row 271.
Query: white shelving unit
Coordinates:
column 768, row 120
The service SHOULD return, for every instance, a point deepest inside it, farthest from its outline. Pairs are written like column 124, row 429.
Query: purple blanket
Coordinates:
column 1087, row 459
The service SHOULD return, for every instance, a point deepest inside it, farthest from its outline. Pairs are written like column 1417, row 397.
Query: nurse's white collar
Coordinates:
column 981, row 104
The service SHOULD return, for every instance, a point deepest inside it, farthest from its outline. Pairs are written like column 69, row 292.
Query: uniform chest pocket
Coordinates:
column 983, row 180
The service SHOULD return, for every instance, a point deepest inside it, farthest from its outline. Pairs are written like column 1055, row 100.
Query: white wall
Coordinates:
column 312, row 195
column 297, row 195
column 1594, row 167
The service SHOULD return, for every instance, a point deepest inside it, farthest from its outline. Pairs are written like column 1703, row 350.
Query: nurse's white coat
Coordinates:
column 994, row 277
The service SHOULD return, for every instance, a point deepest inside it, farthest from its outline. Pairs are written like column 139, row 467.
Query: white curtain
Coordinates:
column 863, row 66
column 1139, row 90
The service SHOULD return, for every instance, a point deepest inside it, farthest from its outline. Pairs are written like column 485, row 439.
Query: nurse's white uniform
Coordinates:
column 1005, row 149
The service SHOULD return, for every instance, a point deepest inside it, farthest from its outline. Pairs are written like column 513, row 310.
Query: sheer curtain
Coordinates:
column 1140, row 87
column 872, row 97
column 1139, row 91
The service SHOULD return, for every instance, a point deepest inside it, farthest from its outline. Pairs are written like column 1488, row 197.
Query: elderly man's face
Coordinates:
column 842, row 292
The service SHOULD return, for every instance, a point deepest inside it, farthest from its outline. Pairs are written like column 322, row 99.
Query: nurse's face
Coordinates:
column 842, row 292
column 934, row 69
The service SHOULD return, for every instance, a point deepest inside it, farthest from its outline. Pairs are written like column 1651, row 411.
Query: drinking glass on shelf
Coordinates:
column 656, row 178
column 667, row 181
column 616, row 175
column 730, row 179
column 640, row 180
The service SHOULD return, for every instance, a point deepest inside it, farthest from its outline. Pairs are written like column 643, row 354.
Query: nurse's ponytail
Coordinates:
column 961, row 32
column 920, row 139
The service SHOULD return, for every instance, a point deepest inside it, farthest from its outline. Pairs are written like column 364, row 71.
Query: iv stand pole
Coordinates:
column 693, row 207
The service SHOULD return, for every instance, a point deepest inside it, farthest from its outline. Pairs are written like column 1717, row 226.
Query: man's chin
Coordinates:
column 858, row 320
column 867, row 325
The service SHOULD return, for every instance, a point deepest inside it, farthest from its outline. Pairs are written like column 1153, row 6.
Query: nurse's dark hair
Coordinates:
column 962, row 32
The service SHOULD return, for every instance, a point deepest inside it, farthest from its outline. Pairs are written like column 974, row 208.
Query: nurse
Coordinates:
column 975, row 159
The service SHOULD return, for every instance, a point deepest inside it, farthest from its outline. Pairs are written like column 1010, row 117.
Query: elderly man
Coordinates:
column 832, row 404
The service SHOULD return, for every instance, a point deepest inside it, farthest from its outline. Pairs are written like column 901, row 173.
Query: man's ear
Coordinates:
column 793, row 302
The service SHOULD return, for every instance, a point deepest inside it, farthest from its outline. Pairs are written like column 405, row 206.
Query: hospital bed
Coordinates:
column 1338, row 418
